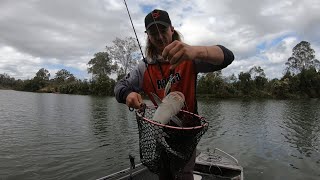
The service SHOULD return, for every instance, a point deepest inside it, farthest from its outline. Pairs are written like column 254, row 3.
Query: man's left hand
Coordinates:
column 177, row 51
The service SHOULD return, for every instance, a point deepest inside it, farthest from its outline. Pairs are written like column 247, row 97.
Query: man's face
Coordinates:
column 160, row 38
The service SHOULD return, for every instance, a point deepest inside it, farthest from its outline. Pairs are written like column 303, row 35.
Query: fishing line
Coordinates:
column 161, row 37
column 171, row 76
column 144, row 59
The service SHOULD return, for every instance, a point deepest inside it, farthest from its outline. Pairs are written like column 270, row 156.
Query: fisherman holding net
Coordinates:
column 169, row 66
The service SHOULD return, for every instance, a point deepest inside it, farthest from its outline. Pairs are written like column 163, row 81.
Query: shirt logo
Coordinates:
column 161, row 83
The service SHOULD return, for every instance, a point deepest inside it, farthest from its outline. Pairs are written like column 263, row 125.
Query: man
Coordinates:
column 167, row 55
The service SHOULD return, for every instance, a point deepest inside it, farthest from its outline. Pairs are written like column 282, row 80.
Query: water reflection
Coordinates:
column 301, row 131
column 51, row 136
column 99, row 117
column 212, row 113
column 116, row 131
column 301, row 122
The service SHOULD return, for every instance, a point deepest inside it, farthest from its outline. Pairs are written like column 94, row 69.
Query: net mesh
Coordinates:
column 173, row 143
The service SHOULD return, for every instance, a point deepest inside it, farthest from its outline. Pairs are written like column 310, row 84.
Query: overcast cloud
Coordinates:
column 60, row 34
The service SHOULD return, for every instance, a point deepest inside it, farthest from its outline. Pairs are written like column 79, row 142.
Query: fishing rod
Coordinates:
column 143, row 57
column 168, row 85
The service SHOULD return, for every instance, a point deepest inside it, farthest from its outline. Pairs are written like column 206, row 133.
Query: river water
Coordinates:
column 55, row 136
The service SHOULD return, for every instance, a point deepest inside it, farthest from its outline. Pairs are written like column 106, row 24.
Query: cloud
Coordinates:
column 36, row 34
column 17, row 64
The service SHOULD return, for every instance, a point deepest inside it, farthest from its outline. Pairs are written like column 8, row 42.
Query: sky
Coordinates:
column 62, row 34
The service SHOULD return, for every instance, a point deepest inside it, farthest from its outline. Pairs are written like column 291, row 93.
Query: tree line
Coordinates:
column 119, row 58
column 300, row 80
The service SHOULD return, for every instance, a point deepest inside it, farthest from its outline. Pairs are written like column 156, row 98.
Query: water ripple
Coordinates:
column 51, row 136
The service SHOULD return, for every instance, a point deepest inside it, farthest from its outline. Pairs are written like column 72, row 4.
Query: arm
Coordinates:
column 219, row 57
column 210, row 54
column 130, row 85
column 213, row 57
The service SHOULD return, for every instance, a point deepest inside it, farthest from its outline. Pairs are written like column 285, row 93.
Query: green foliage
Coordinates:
column 254, row 84
column 64, row 75
column 309, row 82
column 303, row 57
column 293, row 81
column 301, row 80
column 6, row 81
column 260, row 82
column 102, row 86
column 101, row 65
column 75, row 87
column 42, row 75
column 280, row 88
column 213, row 84
column 245, row 83
column 32, row 85
column 39, row 81
column 84, row 87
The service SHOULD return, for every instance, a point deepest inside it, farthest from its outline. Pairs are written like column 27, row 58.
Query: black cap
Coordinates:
column 157, row 16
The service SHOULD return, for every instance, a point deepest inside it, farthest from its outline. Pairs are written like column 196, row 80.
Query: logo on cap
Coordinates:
column 156, row 14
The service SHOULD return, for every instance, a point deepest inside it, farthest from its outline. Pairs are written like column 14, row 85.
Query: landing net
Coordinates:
column 175, row 144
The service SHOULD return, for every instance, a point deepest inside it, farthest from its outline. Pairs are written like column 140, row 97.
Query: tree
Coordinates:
column 125, row 53
column 309, row 82
column 101, row 65
column 232, row 78
column 303, row 57
column 64, row 75
column 211, row 83
column 293, row 82
column 6, row 81
column 103, row 86
column 42, row 74
column 120, row 73
column 280, row 89
column 245, row 82
column 259, row 77
column 257, row 71
column 40, row 80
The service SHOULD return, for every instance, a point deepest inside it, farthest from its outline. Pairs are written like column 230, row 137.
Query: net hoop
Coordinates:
column 206, row 124
column 168, row 146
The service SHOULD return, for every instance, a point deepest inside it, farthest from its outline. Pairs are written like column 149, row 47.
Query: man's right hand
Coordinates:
column 134, row 100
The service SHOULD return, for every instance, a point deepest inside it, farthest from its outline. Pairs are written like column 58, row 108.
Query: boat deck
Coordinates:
column 216, row 165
